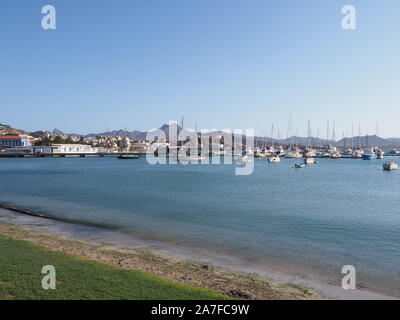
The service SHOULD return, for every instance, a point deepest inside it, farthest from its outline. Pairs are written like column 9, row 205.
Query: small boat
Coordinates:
column 309, row 160
column 260, row 155
column 274, row 159
column 295, row 153
column 299, row 165
column 358, row 154
column 128, row 157
column 191, row 158
column 348, row 151
column 390, row 166
column 335, row 155
column 309, row 153
column 380, row 154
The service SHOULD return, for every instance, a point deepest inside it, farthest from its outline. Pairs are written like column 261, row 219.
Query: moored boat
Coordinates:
column 358, row 153
column 299, row 165
column 369, row 155
column 274, row 159
column 309, row 160
column 380, row 154
column 191, row 158
column 295, row 153
column 128, row 157
column 390, row 166
column 260, row 155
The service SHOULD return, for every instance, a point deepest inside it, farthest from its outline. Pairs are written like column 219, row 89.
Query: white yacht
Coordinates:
column 310, row 153
column 380, row 154
column 281, row 152
column 358, row 153
column 274, row 159
column 294, row 153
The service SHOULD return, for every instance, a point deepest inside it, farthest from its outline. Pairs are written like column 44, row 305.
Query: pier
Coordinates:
column 67, row 155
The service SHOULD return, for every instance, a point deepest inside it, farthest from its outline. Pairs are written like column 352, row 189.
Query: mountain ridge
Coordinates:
column 141, row 135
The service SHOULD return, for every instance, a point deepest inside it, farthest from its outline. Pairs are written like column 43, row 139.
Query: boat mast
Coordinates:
column 344, row 140
column 289, row 132
column 352, row 136
column 327, row 132
column 272, row 137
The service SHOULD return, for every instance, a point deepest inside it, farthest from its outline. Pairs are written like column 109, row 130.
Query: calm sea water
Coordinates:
column 324, row 216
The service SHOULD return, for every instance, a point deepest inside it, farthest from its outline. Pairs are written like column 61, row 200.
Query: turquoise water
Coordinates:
column 324, row 216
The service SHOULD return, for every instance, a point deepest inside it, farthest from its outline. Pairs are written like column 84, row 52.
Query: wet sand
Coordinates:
column 226, row 274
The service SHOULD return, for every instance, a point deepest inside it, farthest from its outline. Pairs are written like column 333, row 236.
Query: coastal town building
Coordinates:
column 125, row 144
column 18, row 140
column 54, row 149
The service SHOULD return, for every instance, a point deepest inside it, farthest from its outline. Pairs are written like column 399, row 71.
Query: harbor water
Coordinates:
column 321, row 217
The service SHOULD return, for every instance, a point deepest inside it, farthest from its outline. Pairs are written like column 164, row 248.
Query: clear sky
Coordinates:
column 112, row 64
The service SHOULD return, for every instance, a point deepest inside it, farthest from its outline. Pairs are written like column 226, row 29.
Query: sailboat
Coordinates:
column 274, row 158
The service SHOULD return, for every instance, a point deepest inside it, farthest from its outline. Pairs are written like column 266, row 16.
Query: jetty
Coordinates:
column 69, row 155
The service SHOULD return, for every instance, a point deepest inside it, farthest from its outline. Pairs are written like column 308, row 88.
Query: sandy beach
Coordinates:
column 224, row 275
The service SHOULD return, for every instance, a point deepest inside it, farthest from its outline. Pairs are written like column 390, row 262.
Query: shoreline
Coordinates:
column 248, row 281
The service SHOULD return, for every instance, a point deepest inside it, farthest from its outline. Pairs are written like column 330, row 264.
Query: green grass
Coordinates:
column 21, row 263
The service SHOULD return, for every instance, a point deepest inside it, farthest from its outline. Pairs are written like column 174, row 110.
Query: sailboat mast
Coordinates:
column 327, row 131
column 333, row 133
column 352, row 136
column 272, row 136
column 289, row 132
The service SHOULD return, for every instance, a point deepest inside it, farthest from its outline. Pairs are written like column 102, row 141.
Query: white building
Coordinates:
column 73, row 148
column 53, row 149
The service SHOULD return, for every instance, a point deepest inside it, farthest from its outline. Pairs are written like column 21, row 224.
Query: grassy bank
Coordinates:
column 20, row 267
column 21, row 263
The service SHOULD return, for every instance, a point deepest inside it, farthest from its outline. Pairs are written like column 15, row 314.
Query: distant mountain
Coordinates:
column 140, row 135
column 294, row 140
column 122, row 133
column 364, row 141
column 369, row 141
column 355, row 141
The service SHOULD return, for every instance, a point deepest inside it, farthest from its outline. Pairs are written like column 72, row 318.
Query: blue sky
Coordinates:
column 220, row 63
